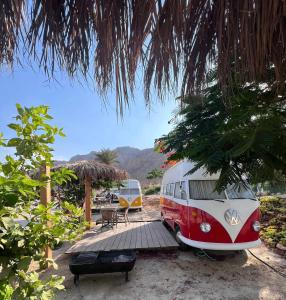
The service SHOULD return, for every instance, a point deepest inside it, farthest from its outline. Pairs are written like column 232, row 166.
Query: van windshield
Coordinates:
column 129, row 191
column 239, row 191
column 204, row 190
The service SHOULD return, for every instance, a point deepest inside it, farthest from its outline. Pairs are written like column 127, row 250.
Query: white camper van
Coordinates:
column 204, row 218
column 130, row 194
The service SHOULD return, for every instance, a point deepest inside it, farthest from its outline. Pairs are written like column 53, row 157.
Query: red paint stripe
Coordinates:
column 247, row 234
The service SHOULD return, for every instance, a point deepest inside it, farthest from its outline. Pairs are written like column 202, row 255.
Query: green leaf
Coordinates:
column 31, row 182
column 24, row 263
column 14, row 126
column 14, row 142
column 10, row 199
column 21, row 243
column 7, row 222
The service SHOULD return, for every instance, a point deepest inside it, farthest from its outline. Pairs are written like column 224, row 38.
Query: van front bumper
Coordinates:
column 219, row 246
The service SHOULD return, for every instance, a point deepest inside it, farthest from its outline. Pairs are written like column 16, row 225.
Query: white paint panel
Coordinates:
column 219, row 246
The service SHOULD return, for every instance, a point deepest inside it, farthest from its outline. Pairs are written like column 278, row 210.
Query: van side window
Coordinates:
column 172, row 187
column 204, row 190
column 183, row 190
column 177, row 190
column 167, row 189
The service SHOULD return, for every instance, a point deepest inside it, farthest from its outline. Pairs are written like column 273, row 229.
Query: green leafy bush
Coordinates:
column 25, row 228
column 241, row 135
column 273, row 219
column 152, row 191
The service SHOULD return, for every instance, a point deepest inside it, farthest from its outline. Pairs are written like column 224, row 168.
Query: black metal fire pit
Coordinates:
column 102, row 262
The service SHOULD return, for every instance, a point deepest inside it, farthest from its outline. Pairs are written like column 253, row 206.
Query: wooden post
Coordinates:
column 87, row 200
column 45, row 197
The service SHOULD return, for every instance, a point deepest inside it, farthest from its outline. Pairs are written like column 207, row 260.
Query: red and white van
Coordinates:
column 206, row 219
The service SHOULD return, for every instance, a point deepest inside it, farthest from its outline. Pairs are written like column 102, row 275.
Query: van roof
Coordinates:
column 178, row 172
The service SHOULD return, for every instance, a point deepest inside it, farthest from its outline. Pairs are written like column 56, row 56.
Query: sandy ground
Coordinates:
column 182, row 275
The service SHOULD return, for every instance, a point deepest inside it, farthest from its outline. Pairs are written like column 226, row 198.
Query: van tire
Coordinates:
column 164, row 222
column 182, row 246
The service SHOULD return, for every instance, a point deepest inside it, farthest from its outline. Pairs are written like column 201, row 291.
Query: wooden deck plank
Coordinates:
column 133, row 236
column 121, row 245
column 117, row 241
column 113, row 242
column 100, row 242
column 162, row 234
column 155, row 241
column 159, row 236
column 137, row 235
column 149, row 237
column 168, row 237
column 145, row 243
column 128, row 238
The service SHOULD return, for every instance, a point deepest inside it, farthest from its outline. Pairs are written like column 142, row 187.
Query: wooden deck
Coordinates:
column 135, row 236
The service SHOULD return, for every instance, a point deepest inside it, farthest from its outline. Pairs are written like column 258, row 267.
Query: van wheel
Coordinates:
column 182, row 246
column 164, row 222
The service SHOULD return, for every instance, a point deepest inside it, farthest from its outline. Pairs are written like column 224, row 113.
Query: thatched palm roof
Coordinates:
column 95, row 170
column 176, row 40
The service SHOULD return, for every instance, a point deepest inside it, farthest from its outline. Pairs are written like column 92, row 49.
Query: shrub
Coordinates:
column 19, row 193
column 152, row 191
column 273, row 211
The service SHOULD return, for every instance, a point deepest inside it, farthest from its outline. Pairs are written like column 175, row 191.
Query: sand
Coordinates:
column 182, row 275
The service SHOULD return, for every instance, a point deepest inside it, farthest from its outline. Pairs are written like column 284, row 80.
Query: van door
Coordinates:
column 185, row 210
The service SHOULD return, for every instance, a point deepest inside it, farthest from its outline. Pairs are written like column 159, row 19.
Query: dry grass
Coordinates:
column 95, row 170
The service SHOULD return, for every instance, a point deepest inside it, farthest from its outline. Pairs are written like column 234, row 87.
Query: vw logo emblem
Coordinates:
column 232, row 217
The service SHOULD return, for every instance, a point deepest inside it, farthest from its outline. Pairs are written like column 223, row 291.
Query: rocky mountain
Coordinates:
column 135, row 161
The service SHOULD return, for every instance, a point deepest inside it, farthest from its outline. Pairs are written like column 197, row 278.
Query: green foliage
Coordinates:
column 107, row 156
column 241, row 135
column 22, row 242
column 106, row 184
column 152, row 191
column 273, row 211
column 155, row 173
column 6, row 291
column 71, row 191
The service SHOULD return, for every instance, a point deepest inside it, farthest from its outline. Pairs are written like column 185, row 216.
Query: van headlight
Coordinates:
column 205, row 227
column 256, row 226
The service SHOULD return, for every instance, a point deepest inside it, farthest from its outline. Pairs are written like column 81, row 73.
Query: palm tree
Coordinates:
column 107, row 156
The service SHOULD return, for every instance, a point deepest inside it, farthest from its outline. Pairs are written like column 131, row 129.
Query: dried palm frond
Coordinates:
column 11, row 18
column 95, row 170
column 176, row 41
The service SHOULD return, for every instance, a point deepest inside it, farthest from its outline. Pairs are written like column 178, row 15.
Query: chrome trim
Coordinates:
column 232, row 217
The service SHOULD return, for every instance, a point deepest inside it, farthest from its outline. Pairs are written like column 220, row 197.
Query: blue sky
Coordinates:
column 78, row 108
